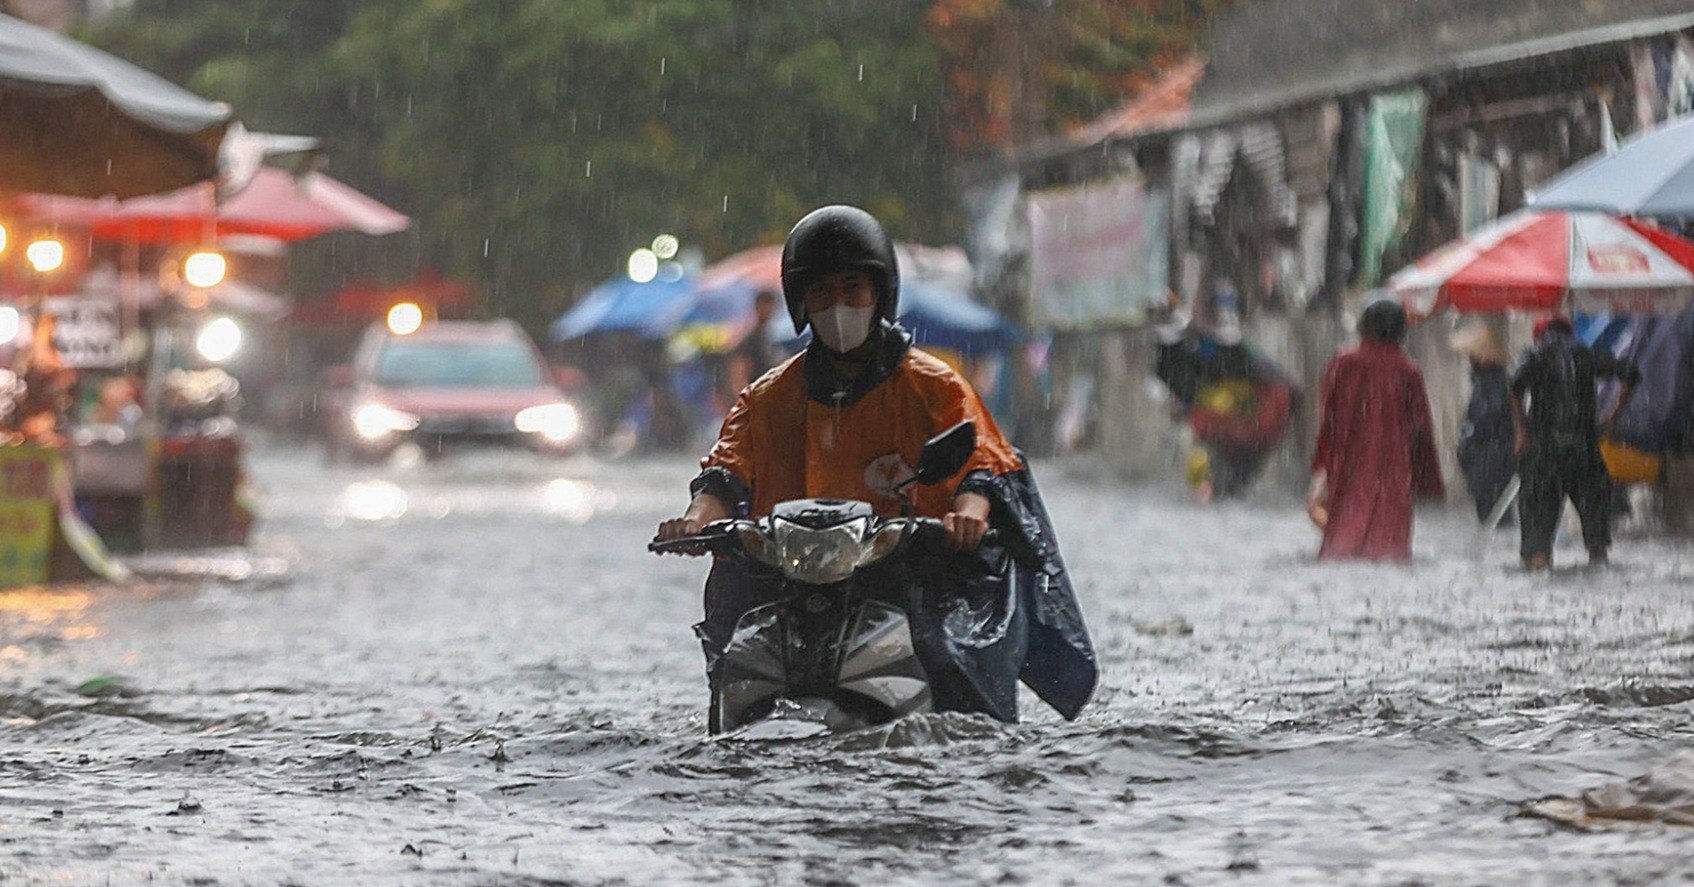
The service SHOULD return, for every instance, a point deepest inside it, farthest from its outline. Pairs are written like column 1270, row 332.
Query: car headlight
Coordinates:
column 373, row 421
column 820, row 557
column 557, row 422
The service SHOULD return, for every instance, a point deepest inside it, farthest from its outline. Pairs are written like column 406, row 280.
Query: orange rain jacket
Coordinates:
column 782, row 445
column 806, row 430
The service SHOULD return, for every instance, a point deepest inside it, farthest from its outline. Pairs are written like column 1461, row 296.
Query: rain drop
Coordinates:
column 588, row 170
column 861, row 72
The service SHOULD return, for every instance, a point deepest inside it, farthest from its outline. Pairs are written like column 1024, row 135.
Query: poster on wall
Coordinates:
column 88, row 331
column 1099, row 253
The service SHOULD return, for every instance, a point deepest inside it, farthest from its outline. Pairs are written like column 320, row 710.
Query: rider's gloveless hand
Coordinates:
column 703, row 510
column 967, row 523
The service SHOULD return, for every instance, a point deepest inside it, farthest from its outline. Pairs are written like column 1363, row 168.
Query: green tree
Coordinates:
column 536, row 142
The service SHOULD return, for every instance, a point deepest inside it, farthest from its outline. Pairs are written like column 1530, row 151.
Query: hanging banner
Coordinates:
column 1099, row 253
column 88, row 331
column 1393, row 139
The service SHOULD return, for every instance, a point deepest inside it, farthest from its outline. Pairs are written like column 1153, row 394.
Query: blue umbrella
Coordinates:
column 942, row 318
column 724, row 304
column 1651, row 176
column 651, row 309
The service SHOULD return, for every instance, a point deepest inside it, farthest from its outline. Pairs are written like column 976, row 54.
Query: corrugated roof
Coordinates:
column 1161, row 106
column 1273, row 54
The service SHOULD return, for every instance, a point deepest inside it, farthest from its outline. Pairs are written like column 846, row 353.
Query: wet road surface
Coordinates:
column 472, row 673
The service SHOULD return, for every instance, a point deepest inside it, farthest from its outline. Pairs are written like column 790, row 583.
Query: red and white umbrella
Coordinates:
column 1536, row 260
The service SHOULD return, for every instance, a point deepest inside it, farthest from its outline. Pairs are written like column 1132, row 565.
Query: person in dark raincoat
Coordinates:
column 847, row 419
column 1486, row 455
column 1558, row 440
column 1376, row 448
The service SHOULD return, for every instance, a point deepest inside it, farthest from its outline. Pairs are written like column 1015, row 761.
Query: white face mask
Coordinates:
column 842, row 328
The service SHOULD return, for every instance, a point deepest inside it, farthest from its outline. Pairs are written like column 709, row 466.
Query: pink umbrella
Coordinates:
column 274, row 205
column 1536, row 260
column 759, row 267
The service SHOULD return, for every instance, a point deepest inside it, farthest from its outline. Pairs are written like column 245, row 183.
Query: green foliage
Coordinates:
column 537, row 141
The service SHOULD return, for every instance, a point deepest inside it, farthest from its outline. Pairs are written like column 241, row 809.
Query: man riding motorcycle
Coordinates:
column 847, row 419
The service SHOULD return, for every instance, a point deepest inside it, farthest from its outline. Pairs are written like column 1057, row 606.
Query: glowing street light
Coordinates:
column 219, row 340
column 643, row 265
column 665, row 246
column 2, row 239
column 405, row 318
column 204, row 269
column 46, row 255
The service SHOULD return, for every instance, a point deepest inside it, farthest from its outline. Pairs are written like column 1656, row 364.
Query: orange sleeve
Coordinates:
column 737, row 441
column 951, row 400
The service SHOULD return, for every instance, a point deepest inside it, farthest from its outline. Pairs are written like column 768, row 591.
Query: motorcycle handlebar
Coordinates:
column 936, row 529
column 715, row 537
column 710, row 540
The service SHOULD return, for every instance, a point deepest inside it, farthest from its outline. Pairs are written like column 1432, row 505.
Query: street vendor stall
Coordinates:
column 176, row 337
column 76, row 121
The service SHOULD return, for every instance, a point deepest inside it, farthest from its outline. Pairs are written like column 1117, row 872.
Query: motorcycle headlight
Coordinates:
column 820, row 557
column 372, row 421
column 557, row 422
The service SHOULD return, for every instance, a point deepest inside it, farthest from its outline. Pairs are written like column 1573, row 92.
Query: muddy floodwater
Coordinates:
column 472, row 673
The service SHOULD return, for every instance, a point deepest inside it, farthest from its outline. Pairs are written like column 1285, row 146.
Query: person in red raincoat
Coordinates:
column 1376, row 449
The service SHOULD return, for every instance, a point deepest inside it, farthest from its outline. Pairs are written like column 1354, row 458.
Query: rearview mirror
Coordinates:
column 946, row 453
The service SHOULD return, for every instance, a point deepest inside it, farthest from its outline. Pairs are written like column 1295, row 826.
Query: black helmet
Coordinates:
column 835, row 239
column 1383, row 320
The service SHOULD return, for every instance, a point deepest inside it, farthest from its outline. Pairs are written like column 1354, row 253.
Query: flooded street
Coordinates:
column 472, row 673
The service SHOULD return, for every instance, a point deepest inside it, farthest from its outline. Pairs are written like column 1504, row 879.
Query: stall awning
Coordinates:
column 276, row 204
column 75, row 120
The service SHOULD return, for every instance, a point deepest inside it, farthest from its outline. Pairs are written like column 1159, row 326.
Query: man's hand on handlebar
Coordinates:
column 703, row 510
column 966, row 524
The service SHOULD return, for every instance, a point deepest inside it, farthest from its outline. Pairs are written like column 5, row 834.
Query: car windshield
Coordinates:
column 418, row 364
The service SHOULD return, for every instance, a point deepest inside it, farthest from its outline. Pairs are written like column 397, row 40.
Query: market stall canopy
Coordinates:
column 1651, row 176
column 651, row 309
column 75, row 120
column 276, row 204
column 1533, row 260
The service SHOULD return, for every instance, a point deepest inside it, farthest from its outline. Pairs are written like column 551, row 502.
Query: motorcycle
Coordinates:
column 833, row 646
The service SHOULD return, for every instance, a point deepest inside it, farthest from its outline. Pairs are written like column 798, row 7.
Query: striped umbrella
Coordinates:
column 1548, row 261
